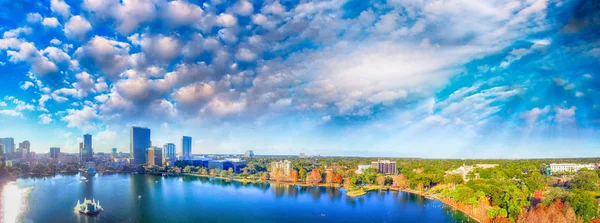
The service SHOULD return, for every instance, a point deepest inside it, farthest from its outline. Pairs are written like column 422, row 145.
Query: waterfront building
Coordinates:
column 169, row 151
column 9, row 145
column 384, row 166
column 362, row 168
column 88, row 151
column 284, row 166
column 25, row 147
column 158, row 156
column 186, row 146
column 139, row 142
column 570, row 167
column 54, row 152
column 150, row 156
column 235, row 164
column 249, row 154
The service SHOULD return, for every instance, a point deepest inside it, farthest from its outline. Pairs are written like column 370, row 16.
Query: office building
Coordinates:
column 384, row 166
column 139, row 142
column 570, row 167
column 54, row 152
column 249, row 154
column 25, row 148
column 150, row 156
column 284, row 167
column 235, row 164
column 186, row 146
column 87, row 153
column 114, row 151
column 2, row 148
column 158, row 156
column 169, row 151
column 9, row 145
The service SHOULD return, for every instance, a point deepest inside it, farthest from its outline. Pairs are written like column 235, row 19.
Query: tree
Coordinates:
column 203, row 171
column 213, row 172
column 585, row 180
column 302, row 173
column 264, row 176
column 584, row 205
column 400, row 181
column 314, row 178
column 188, row 169
column 329, row 177
column 294, row 176
column 380, row 180
column 453, row 179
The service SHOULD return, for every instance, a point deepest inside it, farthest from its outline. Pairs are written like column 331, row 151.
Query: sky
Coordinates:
column 396, row 78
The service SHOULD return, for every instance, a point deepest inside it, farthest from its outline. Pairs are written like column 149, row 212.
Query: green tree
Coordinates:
column 585, row 180
column 584, row 204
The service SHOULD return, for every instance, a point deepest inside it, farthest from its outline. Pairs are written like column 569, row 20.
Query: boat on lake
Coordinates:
column 88, row 207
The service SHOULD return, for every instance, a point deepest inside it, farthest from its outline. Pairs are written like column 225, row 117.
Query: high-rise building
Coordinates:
column 54, row 152
column 284, row 167
column 186, row 146
column 249, row 154
column 114, row 151
column 150, row 156
column 87, row 147
column 384, row 166
column 139, row 142
column 25, row 148
column 81, row 153
column 169, row 151
column 2, row 148
column 9, row 145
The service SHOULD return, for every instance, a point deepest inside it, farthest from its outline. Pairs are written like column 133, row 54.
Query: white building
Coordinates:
column 285, row 166
column 570, row 167
column 361, row 168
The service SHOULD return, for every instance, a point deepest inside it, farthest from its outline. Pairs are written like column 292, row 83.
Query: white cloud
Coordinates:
column 110, row 56
column 226, row 20
column 21, row 105
column 565, row 114
column 183, row 12
column 51, row 22
column 3, row 104
column 531, row 116
column 579, row 94
column 55, row 41
column 14, row 33
column 77, row 27
column 34, row 17
column 83, row 119
column 61, row 8
column 26, row 85
column 246, row 55
column 45, row 119
column 101, row 98
column 11, row 113
column 243, row 7
column 587, row 76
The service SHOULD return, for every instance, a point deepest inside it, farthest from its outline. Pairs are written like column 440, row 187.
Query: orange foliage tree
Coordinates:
column 314, row 178
column 294, row 176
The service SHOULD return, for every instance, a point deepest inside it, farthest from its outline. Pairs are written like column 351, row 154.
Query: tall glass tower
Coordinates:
column 139, row 142
column 169, row 150
column 186, row 146
column 87, row 146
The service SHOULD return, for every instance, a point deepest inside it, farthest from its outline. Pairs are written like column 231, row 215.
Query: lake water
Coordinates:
column 199, row 199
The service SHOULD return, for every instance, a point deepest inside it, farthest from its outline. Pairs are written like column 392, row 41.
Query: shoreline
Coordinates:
column 388, row 188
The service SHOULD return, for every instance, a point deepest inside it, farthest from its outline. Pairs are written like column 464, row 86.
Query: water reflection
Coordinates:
column 12, row 202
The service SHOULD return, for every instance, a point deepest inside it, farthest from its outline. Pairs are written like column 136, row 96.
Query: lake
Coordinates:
column 148, row 198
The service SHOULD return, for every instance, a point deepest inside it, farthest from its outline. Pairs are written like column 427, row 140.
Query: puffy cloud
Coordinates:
column 12, row 113
column 40, row 64
column 161, row 48
column 273, row 8
column 26, row 85
column 45, row 119
column 565, row 115
column 3, row 104
column 192, row 96
column 55, row 41
column 21, row 105
column 85, row 84
column 531, row 116
column 14, row 33
column 128, row 14
column 183, row 13
column 110, row 56
column 77, row 27
column 51, row 22
column 34, row 17
column 246, row 55
column 243, row 7
column 83, row 118
column 226, row 20
column 61, row 8
column 42, row 100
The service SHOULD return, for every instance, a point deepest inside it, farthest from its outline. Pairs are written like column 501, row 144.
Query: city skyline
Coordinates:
column 431, row 79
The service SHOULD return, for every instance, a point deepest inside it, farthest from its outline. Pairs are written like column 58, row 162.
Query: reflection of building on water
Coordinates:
column 88, row 207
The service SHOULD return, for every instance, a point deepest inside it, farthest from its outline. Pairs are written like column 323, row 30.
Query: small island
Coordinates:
column 89, row 207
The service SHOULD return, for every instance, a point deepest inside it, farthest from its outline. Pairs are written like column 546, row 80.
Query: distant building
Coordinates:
column 361, row 168
column 249, row 154
column 464, row 170
column 9, row 145
column 284, row 166
column 154, row 156
column 384, row 166
column 186, row 146
column 68, row 158
column 114, row 151
column 139, row 142
column 150, row 156
column 570, row 167
column 169, row 151
column 234, row 164
column 302, row 155
column 25, row 147
column 87, row 153
column 2, row 148
column 54, row 152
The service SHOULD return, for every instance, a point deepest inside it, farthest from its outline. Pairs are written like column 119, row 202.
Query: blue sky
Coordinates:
column 413, row 78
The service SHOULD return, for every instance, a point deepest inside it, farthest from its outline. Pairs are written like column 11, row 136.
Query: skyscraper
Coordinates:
column 139, row 142
column 150, row 156
column 87, row 146
column 81, row 153
column 114, row 151
column 54, row 152
column 9, row 145
column 25, row 148
column 186, row 146
column 169, row 150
